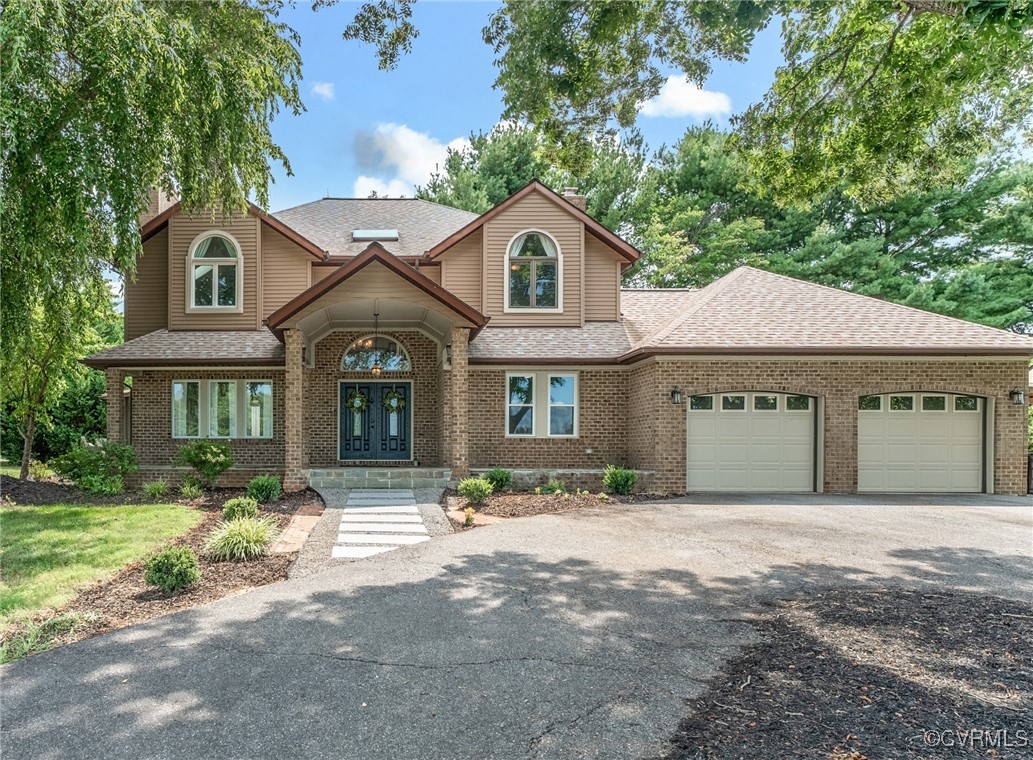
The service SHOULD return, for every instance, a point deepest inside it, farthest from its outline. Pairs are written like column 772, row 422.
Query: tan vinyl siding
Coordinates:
column 284, row 270
column 147, row 295
column 462, row 275
column 602, row 281
column 431, row 273
column 533, row 212
column 183, row 230
column 321, row 273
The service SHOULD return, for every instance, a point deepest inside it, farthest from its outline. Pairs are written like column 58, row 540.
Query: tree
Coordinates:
column 40, row 360
column 99, row 102
column 875, row 97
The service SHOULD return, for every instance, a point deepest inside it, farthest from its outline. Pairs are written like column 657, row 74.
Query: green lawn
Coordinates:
column 46, row 553
column 11, row 471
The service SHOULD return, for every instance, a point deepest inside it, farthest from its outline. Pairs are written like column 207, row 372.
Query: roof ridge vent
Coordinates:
column 371, row 236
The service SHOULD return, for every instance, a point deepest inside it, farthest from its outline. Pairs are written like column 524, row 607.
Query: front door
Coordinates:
column 375, row 421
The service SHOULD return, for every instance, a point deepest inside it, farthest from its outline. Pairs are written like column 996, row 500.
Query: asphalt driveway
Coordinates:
column 568, row 636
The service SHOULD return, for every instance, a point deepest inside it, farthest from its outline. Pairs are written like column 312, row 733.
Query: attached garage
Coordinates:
column 751, row 441
column 920, row 442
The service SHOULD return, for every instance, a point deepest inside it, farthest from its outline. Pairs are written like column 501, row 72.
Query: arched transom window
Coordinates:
column 365, row 352
column 533, row 272
column 214, row 278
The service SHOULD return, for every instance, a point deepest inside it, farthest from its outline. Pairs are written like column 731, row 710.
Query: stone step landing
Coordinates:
column 379, row 478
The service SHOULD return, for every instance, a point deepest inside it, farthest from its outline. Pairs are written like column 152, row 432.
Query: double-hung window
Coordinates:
column 541, row 404
column 222, row 409
column 214, row 279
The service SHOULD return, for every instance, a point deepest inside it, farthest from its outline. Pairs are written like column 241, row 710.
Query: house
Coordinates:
column 396, row 338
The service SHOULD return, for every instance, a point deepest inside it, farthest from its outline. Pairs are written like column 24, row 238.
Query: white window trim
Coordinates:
column 401, row 347
column 713, row 403
column 946, row 403
column 882, row 406
column 745, row 402
column 191, row 262
column 558, row 309
column 534, row 405
column 239, row 431
column 914, row 403
column 778, row 403
column 576, row 406
column 540, row 406
column 785, row 403
column 954, row 404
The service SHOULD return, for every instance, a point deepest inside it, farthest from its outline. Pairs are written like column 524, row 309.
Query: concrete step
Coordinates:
column 381, row 527
column 359, row 552
column 379, row 478
column 370, row 513
column 350, row 517
column 379, row 538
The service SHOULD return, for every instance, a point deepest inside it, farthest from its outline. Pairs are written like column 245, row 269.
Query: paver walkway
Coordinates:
column 377, row 521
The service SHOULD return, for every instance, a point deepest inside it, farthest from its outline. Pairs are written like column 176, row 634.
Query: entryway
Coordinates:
column 750, row 441
column 375, row 421
column 920, row 442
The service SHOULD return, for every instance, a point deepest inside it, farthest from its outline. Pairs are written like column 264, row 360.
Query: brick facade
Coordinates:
column 625, row 415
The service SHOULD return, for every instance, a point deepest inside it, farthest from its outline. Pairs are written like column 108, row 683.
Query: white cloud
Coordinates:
column 395, row 157
column 324, row 90
column 679, row 97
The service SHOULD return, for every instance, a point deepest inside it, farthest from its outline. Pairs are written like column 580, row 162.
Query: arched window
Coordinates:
column 534, row 272
column 365, row 352
column 214, row 279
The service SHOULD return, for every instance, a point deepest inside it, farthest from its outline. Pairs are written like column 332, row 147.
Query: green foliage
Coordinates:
column 100, row 101
column 41, row 636
column 173, row 569
column 209, row 459
column 39, row 471
column 553, row 485
column 475, row 490
column 264, row 488
column 241, row 539
column 240, row 508
column 101, row 485
column 99, row 469
column 156, row 490
column 190, row 490
column 619, row 480
column 499, row 478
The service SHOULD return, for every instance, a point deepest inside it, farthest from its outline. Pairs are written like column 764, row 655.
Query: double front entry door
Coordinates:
column 376, row 421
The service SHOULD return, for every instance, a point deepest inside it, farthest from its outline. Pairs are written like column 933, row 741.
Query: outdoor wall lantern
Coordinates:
column 1017, row 397
column 676, row 395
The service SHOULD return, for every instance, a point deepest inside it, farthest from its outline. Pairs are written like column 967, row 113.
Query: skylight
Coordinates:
column 362, row 236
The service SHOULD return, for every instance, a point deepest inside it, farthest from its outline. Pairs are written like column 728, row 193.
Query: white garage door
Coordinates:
column 915, row 442
column 750, row 442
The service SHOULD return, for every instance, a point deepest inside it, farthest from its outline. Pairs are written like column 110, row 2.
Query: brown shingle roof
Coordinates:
column 595, row 342
column 752, row 311
column 329, row 223
column 162, row 348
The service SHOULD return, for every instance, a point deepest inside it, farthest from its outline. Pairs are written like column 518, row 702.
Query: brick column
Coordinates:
column 115, row 382
column 456, row 411
column 293, row 477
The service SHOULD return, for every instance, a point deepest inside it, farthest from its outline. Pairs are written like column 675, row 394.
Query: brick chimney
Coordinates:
column 157, row 202
column 574, row 198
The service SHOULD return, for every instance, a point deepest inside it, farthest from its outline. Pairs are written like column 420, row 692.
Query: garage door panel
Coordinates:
column 920, row 450
column 751, row 449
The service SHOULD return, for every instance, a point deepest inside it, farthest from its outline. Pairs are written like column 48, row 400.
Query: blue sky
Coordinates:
column 366, row 129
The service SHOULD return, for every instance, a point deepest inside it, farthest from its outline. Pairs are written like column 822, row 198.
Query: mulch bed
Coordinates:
column 527, row 504
column 39, row 493
column 855, row 674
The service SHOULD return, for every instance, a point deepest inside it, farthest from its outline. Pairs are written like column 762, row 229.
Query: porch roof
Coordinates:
column 374, row 277
column 193, row 348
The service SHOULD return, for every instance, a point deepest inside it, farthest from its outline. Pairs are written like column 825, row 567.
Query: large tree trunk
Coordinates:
column 29, row 436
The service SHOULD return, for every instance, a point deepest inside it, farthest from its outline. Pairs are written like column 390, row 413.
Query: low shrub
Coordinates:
column 190, row 490
column 475, row 490
column 39, row 471
column 469, row 511
column 239, row 509
column 241, row 539
column 264, row 488
column 209, row 460
column 499, row 478
column 156, row 490
column 101, row 485
column 553, row 486
column 173, row 569
column 619, row 480
column 100, row 468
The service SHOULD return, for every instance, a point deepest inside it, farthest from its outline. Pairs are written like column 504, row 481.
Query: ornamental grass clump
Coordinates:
column 619, row 480
column 240, row 508
column 264, row 488
column 190, row 490
column 173, row 569
column 156, row 489
column 475, row 490
column 241, row 540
